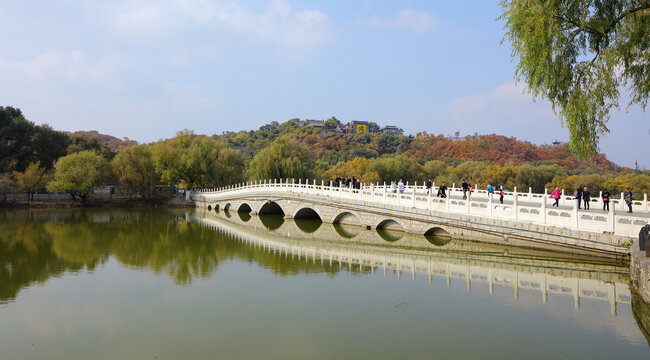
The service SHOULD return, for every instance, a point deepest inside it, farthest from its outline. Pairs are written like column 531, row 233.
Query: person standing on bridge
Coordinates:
column 465, row 186
column 605, row 196
column 585, row 197
column 401, row 186
column 628, row 199
column 442, row 190
column 556, row 195
column 428, row 186
column 578, row 195
column 501, row 194
column 490, row 189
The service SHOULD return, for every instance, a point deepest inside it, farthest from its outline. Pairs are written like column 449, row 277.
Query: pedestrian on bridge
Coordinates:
column 556, row 195
column 465, row 186
column 490, row 189
column 578, row 195
column 501, row 194
column 428, row 186
column 628, row 199
column 442, row 190
column 605, row 196
column 400, row 185
column 585, row 197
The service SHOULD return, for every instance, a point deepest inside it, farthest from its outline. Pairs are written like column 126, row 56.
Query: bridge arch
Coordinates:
column 307, row 213
column 271, row 207
column 209, row 207
column 216, row 207
column 347, row 218
column 389, row 224
column 390, row 230
column 226, row 207
column 437, row 236
column 245, row 208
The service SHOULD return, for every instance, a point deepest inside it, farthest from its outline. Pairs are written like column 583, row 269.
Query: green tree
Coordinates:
column 32, row 179
column 434, row 168
column 285, row 158
column 23, row 143
column 135, row 166
column 80, row 173
column 393, row 168
column 577, row 54
column 195, row 161
column 79, row 143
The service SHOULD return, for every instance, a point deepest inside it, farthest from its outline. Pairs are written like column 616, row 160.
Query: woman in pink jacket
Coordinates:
column 556, row 195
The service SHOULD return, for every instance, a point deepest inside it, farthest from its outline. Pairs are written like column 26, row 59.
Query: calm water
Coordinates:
column 127, row 284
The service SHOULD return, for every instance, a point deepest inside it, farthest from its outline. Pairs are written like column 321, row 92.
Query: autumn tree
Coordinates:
column 361, row 168
column 32, row 179
column 578, row 54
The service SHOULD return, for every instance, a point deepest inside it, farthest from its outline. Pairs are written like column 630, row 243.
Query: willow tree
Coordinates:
column 579, row 54
column 135, row 166
column 192, row 161
column 285, row 158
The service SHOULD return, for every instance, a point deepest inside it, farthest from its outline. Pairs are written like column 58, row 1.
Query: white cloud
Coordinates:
column 140, row 16
column 279, row 23
column 419, row 22
column 65, row 66
column 200, row 10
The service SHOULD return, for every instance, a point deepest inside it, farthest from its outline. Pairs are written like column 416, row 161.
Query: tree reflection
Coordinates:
column 37, row 245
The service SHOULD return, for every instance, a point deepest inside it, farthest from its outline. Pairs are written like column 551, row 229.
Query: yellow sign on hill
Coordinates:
column 361, row 129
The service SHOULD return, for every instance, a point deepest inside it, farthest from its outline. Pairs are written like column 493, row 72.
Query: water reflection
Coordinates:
column 434, row 255
column 36, row 245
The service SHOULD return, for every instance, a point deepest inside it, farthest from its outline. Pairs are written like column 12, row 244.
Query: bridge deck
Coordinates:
column 524, row 207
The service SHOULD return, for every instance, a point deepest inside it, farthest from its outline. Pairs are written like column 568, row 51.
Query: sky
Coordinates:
column 145, row 69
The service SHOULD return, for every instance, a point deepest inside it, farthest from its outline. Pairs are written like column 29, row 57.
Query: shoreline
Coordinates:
column 172, row 202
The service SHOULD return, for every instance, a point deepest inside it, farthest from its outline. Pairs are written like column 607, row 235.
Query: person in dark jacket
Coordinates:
column 578, row 195
column 585, row 197
column 442, row 190
column 428, row 186
column 465, row 187
column 628, row 199
column 605, row 195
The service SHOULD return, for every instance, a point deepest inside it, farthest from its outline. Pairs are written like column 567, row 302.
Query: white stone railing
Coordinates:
column 521, row 207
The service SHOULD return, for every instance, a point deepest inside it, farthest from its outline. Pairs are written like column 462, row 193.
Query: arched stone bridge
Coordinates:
column 526, row 224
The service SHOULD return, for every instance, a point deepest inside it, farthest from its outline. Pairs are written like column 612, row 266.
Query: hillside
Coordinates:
column 331, row 148
column 111, row 142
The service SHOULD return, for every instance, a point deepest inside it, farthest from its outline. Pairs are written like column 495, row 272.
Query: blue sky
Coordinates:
column 145, row 69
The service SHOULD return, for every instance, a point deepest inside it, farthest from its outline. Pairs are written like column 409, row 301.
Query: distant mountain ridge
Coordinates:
column 111, row 142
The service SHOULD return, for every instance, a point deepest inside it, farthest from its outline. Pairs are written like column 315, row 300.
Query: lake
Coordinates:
column 193, row 284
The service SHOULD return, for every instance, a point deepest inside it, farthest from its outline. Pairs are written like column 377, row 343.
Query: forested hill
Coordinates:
column 111, row 142
column 330, row 148
column 31, row 155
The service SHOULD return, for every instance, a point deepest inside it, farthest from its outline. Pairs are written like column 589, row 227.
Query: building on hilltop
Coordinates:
column 353, row 127
column 358, row 127
column 319, row 124
column 390, row 129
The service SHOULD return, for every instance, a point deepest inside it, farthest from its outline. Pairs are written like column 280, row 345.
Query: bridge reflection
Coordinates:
column 356, row 249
